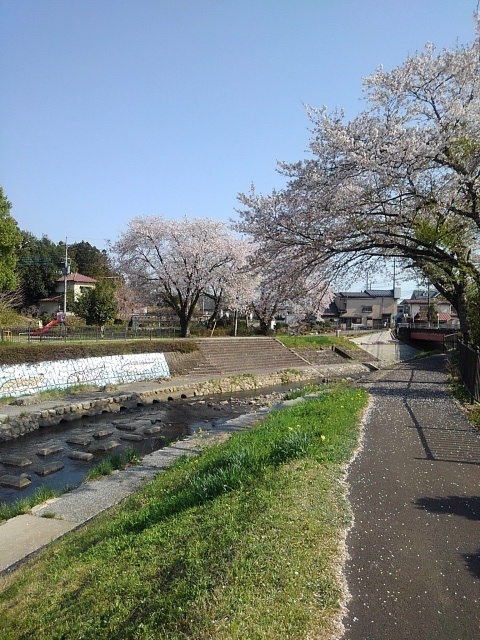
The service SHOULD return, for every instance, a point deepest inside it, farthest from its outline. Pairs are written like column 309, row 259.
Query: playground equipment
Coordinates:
column 45, row 329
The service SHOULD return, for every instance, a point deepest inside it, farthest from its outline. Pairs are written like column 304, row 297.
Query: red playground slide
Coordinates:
column 45, row 329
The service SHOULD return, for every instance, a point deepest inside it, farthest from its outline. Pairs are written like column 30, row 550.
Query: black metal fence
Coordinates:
column 72, row 333
column 469, row 367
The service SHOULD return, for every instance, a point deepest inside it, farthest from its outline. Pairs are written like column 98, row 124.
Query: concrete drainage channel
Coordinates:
column 60, row 456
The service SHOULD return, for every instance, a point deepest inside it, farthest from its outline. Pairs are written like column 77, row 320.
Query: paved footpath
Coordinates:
column 414, row 566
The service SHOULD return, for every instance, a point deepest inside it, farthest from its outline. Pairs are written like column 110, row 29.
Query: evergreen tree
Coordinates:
column 89, row 261
column 97, row 306
column 39, row 266
column 10, row 238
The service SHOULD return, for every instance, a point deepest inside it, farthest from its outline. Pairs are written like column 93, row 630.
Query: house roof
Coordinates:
column 331, row 310
column 418, row 301
column 419, row 294
column 442, row 317
column 353, row 294
column 368, row 293
column 381, row 293
column 424, row 301
column 78, row 277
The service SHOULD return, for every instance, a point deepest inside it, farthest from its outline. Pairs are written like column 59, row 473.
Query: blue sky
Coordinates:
column 112, row 109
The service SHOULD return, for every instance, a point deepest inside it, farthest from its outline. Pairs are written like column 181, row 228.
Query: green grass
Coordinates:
column 312, row 342
column 112, row 463
column 304, row 391
column 427, row 353
column 240, row 542
column 24, row 505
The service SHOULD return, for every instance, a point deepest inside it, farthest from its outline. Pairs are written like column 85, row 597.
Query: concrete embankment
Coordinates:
column 220, row 366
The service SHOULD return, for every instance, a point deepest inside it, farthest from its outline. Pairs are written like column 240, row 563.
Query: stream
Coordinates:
column 60, row 456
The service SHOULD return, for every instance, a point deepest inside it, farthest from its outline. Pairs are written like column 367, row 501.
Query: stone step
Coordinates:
column 107, row 445
column 102, row 433
column 85, row 456
column 48, row 451
column 132, row 437
column 15, row 482
column 47, row 469
column 82, row 441
column 244, row 355
column 125, row 427
column 15, row 461
column 150, row 431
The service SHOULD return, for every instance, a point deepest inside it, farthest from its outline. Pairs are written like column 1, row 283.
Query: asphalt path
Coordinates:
column 414, row 549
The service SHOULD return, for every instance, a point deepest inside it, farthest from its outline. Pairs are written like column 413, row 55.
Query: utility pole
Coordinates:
column 65, row 271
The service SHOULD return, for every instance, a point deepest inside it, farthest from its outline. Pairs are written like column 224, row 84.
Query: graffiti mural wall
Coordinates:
column 27, row 379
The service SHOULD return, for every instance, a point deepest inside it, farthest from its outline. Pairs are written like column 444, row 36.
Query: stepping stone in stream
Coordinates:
column 149, row 431
column 47, row 469
column 102, row 433
column 48, row 451
column 125, row 427
column 133, row 437
column 15, row 461
column 83, row 441
column 104, row 446
column 15, row 482
column 143, row 423
column 85, row 456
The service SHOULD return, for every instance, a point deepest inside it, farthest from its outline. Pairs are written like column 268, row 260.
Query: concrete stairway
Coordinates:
column 245, row 355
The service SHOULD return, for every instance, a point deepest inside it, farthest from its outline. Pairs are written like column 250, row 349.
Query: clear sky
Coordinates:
column 111, row 109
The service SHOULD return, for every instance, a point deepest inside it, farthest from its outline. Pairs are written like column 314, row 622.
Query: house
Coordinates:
column 77, row 284
column 369, row 309
column 414, row 310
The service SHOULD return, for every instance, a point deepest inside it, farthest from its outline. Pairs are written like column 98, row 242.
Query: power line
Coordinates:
column 39, row 261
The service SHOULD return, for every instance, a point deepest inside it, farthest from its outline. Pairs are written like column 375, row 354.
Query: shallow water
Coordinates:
column 145, row 429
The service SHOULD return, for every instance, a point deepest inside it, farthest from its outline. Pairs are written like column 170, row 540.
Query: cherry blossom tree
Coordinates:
column 230, row 285
column 280, row 286
column 401, row 180
column 173, row 262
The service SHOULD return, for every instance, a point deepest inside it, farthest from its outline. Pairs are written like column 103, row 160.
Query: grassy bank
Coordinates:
column 241, row 542
column 317, row 342
column 20, row 353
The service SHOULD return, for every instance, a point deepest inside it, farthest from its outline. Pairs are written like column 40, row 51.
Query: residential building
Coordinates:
column 414, row 310
column 369, row 309
column 77, row 284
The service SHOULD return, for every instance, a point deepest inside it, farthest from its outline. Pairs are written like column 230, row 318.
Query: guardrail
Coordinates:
column 422, row 334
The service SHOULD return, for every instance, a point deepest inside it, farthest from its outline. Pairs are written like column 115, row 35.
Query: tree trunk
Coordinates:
column 264, row 327
column 458, row 300
column 463, row 317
